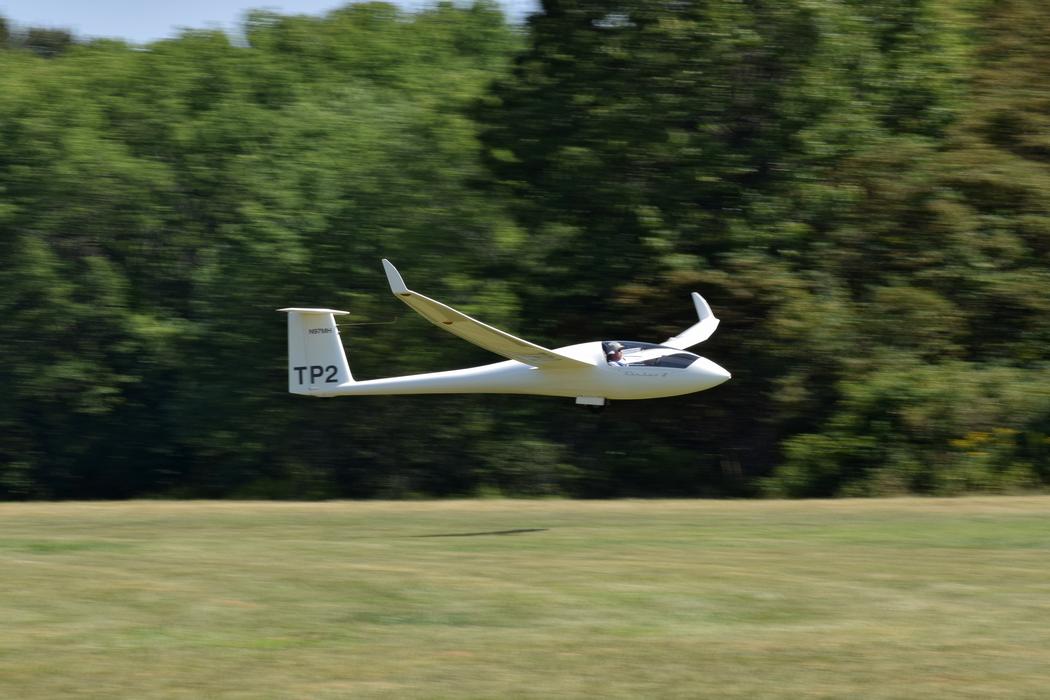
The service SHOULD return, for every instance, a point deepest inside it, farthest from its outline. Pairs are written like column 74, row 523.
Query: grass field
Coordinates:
column 535, row 599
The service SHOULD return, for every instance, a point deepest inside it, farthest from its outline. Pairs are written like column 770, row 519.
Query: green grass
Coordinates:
column 632, row 599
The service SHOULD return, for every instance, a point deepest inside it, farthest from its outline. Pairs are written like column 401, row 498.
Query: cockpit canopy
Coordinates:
column 637, row 354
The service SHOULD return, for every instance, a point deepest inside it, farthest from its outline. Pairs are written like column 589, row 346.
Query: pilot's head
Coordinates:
column 615, row 351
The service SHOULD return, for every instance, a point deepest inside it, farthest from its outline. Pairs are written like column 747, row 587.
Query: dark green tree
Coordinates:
column 946, row 258
column 651, row 150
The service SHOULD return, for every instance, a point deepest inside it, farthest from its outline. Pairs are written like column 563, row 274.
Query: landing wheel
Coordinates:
column 592, row 402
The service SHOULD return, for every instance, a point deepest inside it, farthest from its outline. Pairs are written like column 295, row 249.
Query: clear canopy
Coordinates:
column 636, row 354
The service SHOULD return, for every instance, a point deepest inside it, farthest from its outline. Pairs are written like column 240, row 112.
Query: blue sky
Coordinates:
column 141, row 21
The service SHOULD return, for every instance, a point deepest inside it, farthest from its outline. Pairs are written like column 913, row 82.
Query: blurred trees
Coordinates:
column 159, row 205
column 43, row 41
column 947, row 257
column 861, row 189
column 800, row 163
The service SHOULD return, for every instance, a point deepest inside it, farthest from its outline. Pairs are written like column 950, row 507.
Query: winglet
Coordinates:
column 397, row 285
column 703, row 309
column 698, row 332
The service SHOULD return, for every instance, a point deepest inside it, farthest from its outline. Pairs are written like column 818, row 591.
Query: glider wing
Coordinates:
column 698, row 332
column 475, row 331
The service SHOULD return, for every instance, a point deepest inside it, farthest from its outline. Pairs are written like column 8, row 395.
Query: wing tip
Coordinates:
column 700, row 331
column 397, row 285
column 703, row 309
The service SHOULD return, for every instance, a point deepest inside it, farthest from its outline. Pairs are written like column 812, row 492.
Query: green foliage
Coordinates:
column 860, row 188
column 797, row 163
column 46, row 42
column 160, row 204
column 938, row 428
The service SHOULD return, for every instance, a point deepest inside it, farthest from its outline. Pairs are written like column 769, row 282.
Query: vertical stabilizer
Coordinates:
column 316, row 358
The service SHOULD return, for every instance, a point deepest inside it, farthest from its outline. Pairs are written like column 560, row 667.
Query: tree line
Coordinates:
column 861, row 190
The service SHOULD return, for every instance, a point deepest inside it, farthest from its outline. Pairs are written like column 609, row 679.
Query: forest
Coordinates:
column 860, row 188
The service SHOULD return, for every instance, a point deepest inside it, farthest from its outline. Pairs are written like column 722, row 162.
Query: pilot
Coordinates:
column 614, row 355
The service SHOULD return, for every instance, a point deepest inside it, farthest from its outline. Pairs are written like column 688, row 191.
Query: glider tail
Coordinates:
column 316, row 358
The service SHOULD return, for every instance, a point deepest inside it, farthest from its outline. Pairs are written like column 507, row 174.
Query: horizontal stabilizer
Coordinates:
column 315, row 311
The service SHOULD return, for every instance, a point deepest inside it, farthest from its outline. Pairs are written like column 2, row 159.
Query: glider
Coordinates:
column 593, row 372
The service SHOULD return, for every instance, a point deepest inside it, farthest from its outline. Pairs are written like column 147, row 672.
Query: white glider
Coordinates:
column 593, row 372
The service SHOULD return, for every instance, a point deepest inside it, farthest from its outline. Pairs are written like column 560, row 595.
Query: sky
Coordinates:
column 142, row 21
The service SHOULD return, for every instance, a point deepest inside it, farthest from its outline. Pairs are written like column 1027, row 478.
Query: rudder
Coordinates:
column 316, row 358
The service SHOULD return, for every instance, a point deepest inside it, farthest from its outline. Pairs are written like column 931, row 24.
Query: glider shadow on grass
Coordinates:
column 518, row 531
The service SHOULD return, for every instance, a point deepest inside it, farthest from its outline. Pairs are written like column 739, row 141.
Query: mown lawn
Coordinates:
column 903, row 598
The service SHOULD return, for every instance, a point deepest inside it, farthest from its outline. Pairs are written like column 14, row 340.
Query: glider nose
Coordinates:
column 712, row 374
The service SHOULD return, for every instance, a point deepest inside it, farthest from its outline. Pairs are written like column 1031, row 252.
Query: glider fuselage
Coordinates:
column 634, row 381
